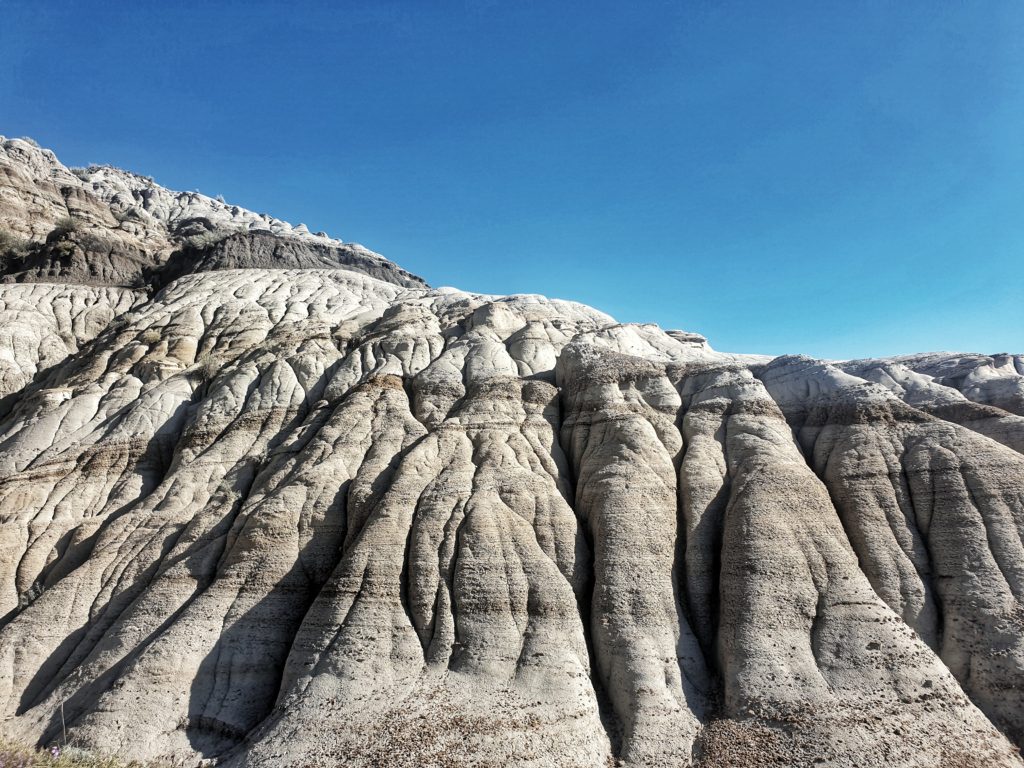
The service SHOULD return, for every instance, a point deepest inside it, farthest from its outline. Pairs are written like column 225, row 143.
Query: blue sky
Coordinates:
column 839, row 179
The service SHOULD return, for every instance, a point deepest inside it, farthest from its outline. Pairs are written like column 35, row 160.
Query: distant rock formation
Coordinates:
column 267, row 498
column 104, row 226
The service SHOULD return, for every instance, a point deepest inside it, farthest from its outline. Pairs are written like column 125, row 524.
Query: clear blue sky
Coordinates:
column 834, row 178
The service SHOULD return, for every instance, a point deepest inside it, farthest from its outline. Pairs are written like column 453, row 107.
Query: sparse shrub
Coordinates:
column 64, row 226
column 29, row 140
column 207, row 369
column 12, row 249
column 84, row 171
column 13, row 755
column 11, row 242
column 150, row 336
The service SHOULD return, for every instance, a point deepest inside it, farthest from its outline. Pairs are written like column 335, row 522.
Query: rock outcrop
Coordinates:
column 268, row 499
column 104, row 226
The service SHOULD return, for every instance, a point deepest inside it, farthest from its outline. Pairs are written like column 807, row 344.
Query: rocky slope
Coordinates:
column 268, row 499
column 104, row 226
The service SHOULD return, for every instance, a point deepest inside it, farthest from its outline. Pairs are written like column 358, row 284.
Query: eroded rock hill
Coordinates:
column 268, row 499
column 104, row 226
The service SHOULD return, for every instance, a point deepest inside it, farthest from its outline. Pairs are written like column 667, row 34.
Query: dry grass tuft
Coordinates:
column 13, row 755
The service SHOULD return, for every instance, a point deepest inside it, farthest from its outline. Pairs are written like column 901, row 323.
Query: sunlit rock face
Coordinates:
column 268, row 499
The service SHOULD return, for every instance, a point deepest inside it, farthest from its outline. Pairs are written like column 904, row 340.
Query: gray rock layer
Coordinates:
column 282, row 512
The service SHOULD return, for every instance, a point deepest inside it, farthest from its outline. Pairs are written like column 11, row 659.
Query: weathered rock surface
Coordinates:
column 282, row 504
column 104, row 226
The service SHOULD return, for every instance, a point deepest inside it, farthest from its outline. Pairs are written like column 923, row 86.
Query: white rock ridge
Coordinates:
column 272, row 501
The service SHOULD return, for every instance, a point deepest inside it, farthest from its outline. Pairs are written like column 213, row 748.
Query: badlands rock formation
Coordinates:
column 267, row 499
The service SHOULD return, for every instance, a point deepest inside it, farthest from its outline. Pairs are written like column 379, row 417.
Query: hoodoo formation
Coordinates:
column 268, row 499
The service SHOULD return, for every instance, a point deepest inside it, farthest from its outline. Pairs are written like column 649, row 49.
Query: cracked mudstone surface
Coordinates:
column 267, row 499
